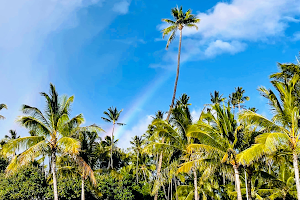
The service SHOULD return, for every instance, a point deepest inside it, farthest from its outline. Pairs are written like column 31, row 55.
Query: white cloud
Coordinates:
column 296, row 36
column 218, row 47
column 139, row 129
column 196, row 114
column 248, row 20
column 228, row 27
column 121, row 7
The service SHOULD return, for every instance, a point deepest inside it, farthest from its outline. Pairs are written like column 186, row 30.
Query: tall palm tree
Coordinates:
column 112, row 116
column 137, row 147
column 174, row 132
column 53, row 128
column 181, row 19
column 282, row 132
column 2, row 105
column 219, row 140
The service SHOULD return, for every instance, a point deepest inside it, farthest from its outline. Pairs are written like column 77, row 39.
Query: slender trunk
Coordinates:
column 175, row 181
column 249, row 172
column 169, row 191
column 165, row 192
column 237, row 181
column 246, row 184
column 144, row 175
column 53, row 160
column 159, row 168
column 195, row 184
column 171, row 188
column 296, row 169
column 224, row 181
column 82, row 188
column 50, row 164
column 112, row 146
column 172, row 103
column 137, row 168
column 177, row 76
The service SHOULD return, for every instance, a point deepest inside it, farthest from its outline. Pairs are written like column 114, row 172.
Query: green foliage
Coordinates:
column 28, row 183
column 219, row 155
column 122, row 189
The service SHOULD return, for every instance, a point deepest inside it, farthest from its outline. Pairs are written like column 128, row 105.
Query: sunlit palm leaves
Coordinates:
column 2, row 105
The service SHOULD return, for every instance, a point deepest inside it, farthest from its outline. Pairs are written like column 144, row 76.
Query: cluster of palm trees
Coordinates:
column 228, row 152
column 55, row 134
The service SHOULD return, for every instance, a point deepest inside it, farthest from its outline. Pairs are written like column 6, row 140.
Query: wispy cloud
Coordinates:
column 218, row 47
column 228, row 27
column 25, row 27
column 296, row 36
column 121, row 7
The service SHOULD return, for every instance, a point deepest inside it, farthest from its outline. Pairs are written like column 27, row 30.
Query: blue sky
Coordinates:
column 111, row 53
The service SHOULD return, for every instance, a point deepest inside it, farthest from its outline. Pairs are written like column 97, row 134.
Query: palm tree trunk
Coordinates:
column 53, row 160
column 175, row 181
column 137, row 168
column 296, row 169
column 195, row 184
column 172, row 104
column 112, row 146
column 82, row 188
column 159, row 168
column 246, row 184
column 237, row 181
column 177, row 76
column 249, row 182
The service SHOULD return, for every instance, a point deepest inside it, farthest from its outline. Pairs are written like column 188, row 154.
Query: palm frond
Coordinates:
column 25, row 142
column 69, row 145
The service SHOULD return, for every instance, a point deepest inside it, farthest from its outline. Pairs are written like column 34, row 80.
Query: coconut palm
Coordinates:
column 237, row 98
column 282, row 132
column 181, row 20
column 2, row 105
column 112, row 116
column 12, row 136
column 220, row 139
column 137, row 147
column 216, row 97
column 53, row 127
column 174, row 133
column 87, row 156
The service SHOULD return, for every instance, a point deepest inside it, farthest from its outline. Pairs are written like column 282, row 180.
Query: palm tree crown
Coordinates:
column 2, row 105
column 181, row 19
column 112, row 116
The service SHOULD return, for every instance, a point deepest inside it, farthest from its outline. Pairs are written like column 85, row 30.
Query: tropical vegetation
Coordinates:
column 229, row 151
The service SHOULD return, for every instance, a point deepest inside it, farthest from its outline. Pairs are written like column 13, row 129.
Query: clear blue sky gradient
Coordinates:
column 111, row 53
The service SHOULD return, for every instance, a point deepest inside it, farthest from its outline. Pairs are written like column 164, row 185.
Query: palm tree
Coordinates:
column 2, row 105
column 137, row 147
column 87, row 156
column 282, row 132
column 53, row 127
column 237, row 98
column 13, row 135
column 219, row 140
column 112, row 116
column 216, row 97
column 240, row 96
column 181, row 19
column 174, row 132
